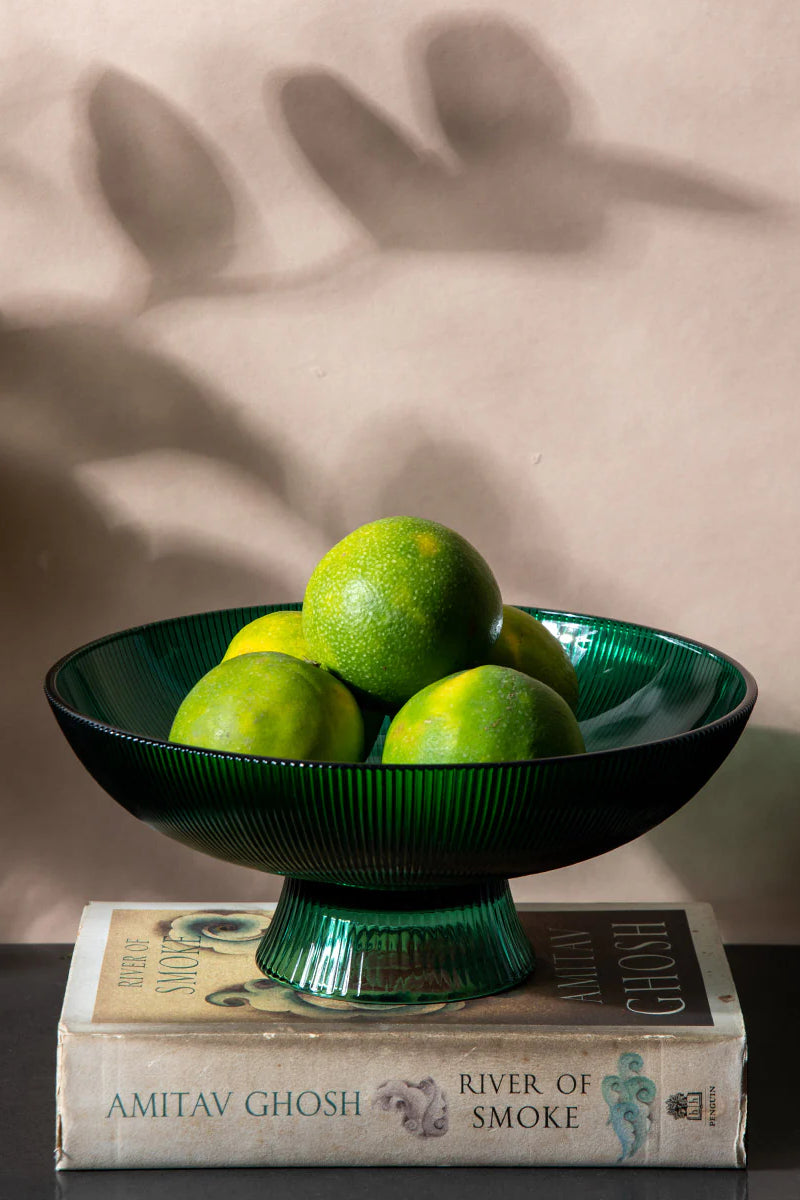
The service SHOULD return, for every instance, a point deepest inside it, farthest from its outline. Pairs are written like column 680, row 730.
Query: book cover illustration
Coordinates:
column 175, row 1051
column 591, row 969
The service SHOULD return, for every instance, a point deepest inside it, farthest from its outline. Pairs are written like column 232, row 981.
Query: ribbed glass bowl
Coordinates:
column 397, row 876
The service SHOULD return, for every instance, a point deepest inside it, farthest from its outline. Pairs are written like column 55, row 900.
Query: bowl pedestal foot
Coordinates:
column 396, row 947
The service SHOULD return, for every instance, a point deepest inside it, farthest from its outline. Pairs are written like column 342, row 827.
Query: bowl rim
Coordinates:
column 740, row 712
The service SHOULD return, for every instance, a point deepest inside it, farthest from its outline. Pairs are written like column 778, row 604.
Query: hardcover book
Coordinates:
column 626, row 1047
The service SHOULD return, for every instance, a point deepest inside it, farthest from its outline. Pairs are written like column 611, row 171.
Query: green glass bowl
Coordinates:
column 397, row 876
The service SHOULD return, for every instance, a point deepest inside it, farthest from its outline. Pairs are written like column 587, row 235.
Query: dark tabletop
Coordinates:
column 32, row 980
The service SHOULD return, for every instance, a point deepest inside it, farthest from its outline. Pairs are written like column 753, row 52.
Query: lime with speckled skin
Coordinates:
column 273, row 705
column 527, row 646
column 488, row 714
column 281, row 632
column 399, row 603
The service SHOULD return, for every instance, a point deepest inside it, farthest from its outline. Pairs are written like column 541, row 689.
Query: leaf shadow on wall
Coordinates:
column 75, row 391
column 453, row 482
column 516, row 176
column 461, row 484
column 167, row 187
column 93, row 390
column 84, row 387
column 68, row 576
column 176, row 198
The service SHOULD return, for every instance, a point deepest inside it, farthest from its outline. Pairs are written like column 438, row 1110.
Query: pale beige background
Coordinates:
column 242, row 312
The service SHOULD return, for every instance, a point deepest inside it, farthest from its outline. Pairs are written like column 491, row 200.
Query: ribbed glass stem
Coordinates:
column 446, row 943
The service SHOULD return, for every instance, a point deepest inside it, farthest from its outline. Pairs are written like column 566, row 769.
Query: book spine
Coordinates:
column 404, row 1098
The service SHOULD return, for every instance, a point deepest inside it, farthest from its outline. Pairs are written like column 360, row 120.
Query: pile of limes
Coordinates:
column 402, row 617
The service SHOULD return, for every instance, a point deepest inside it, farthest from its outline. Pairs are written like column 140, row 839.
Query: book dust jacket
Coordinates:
column 626, row 1047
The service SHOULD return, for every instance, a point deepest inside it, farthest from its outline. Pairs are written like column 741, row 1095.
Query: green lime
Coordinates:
column 488, row 714
column 527, row 646
column 274, row 705
column 399, row 603
column 278, row 631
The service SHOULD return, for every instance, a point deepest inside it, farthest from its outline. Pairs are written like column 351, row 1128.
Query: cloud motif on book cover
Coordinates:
column 422, row 1106
column 629, row 1096
column 226, row 933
